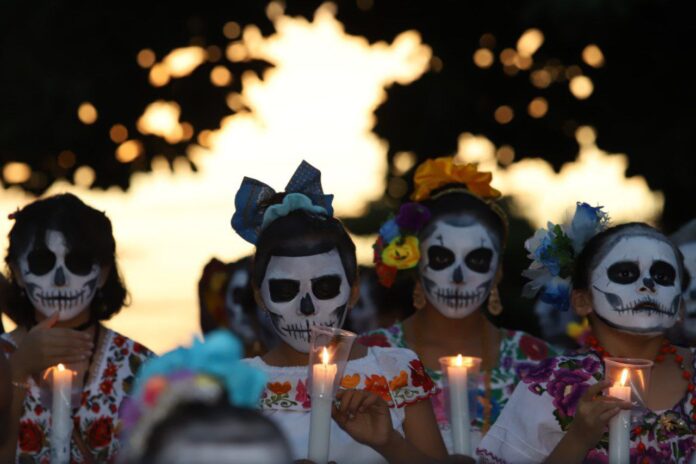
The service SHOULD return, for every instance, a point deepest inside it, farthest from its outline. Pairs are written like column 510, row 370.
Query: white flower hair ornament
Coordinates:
column 553, row 252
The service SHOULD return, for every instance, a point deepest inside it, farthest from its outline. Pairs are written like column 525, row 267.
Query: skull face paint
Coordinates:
column 57, row 279
column 300, row 292
column 457, row 268
column 689, row 252
column 636, row 287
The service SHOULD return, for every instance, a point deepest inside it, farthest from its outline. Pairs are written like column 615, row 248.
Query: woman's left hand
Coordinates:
column 364, row 416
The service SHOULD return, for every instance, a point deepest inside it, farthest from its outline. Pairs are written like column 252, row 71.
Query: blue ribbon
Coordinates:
column 248, row 218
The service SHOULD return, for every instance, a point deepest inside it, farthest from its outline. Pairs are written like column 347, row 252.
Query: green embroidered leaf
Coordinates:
column 128, row 384
column 134, row 363
column 570, row 364
column 563, row 420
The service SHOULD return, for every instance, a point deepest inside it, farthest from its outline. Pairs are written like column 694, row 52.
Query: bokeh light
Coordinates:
column 87, row 113
column 581, row 87
column 484, row 58
column 593, row 56
column 16, row 172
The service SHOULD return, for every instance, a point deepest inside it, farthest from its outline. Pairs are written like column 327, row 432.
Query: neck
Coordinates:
column 625, row 344
column 283, row 355
column 431, row 321
column 77, row 321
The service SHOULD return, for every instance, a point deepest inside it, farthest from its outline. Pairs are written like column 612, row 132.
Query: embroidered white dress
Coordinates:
column 116, row 361
column 396, row 374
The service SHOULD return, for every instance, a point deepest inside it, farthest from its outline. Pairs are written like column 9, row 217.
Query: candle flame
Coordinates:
column 459, row 361
column 325, row 356
column 624, row 376
column 60, row 367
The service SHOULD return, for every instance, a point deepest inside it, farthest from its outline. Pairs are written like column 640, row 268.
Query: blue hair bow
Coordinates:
column 303, row 192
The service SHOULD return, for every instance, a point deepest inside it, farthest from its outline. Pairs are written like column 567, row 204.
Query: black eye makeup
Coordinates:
column 41, row 261
column 624, row 272
column 479, row 260
column 326, row 287
column 663, row 273
column 283, row 290
column 79, row 263
column 440, row 257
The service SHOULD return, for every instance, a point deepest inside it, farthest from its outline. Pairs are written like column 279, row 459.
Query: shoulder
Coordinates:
column 385, row 337
column 523, row 346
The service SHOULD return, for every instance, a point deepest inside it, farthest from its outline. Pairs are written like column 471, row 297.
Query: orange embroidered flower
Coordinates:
column 399, row 381
column 279, row 388
column 402, row 252
column 378, row 384
column 350, row 381
column 435, row 173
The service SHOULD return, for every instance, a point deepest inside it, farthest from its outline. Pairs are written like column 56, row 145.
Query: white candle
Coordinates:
column 323, row 376
column 619, row 426
column 61, row 415
column 460, row 423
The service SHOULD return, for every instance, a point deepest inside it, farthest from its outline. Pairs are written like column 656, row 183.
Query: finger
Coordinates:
column 69, row 333
column 370, row 400
column 607, row 415
column 345, row 400
column 339, row 417
column 595, row 390
column 355, row 402
column 47, row 323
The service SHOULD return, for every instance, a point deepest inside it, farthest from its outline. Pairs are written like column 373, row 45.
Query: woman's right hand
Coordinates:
column 44, row 346
column 594, row 412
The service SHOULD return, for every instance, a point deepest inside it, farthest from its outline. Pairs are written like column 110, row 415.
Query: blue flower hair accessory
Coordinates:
column 205, row 372
column 553, row 252
column 253, row 213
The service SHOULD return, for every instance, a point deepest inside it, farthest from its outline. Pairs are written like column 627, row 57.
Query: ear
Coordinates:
column 257, row 297
column 17, row 275
column 104, row 273
column 581, row 300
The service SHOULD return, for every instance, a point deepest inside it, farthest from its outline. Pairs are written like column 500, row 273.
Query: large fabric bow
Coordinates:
column 302, row 192
column 435, row 173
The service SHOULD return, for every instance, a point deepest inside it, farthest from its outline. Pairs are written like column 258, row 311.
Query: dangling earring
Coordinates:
column 495, row 306
column 418, row 296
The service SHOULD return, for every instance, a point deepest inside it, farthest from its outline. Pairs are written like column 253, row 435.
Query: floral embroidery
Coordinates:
column 534, row 348
column 378, row 384
column 301, row 396
column 280, row 394
column 279, row 388
column 350, row 381
column 419, row 376
column 97, row 418
column 399, row 381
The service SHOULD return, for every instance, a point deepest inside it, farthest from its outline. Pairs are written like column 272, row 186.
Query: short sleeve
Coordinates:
column 526, row 430
column 405, row 376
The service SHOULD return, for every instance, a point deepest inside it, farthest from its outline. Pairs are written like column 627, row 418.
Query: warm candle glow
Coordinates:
column 325, row 357
column 61, row 367
column 624, row 376
column 459, row 362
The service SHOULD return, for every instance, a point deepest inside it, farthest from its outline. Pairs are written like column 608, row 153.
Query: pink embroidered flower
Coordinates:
column 100, row 433
column 533, row 348
column 107, row 386
column 302, row 396
column 419, row 377
column 119, row 340
column 31, row 437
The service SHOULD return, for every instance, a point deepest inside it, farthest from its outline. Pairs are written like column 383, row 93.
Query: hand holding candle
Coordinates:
column 457, row 370
column 61, row 415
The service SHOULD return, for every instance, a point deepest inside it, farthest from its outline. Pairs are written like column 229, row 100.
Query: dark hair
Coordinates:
column 301, row 233
column 85, row 229
column 219, row 423
column 598, row 246
column 463, row 209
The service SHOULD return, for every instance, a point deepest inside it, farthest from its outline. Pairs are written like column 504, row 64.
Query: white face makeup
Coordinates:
column 300, row 292
column 58, row 280
column 689, row 296
column 636, row 286
column 457, row 268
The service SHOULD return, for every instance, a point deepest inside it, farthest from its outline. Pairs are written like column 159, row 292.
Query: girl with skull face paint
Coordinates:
column 457, row 234
column 628, row 281
column 305, row 273
column 64, row 280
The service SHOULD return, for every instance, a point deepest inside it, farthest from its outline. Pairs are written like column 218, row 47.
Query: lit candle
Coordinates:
column 61, row 415
column 460, row 423
column 619, row 426
column 323, row 376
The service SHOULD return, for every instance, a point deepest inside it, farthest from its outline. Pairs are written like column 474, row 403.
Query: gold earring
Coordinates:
column 495, row 306
column 418, row 296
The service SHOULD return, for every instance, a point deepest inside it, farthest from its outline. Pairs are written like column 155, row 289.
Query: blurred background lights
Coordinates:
column 487, row 40
column 538, row 107
column 146, row 58
column 16, row 173
column 66, row 159
column 87, row 113
column 403, row 162
column 118, row 133
column 161, row 118
column 581, row 87
column 503, row 114
column 483, row 58
column 529, row 42
column 220, row 76
column 540, row 78
column 231, row 30
column 128, row 151
column 593, row 56
column 84, row 176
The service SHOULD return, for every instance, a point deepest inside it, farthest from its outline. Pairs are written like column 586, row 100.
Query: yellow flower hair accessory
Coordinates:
column 402, row 252
column 435, row 173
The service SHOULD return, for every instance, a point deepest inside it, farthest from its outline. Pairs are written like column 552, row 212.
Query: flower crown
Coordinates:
column 553, row 252
column 205, row 372
column 397, row 247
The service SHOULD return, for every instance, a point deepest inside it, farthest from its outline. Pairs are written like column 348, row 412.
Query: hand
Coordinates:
column 45, row 346
column 594, row 412
column 364, row 416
